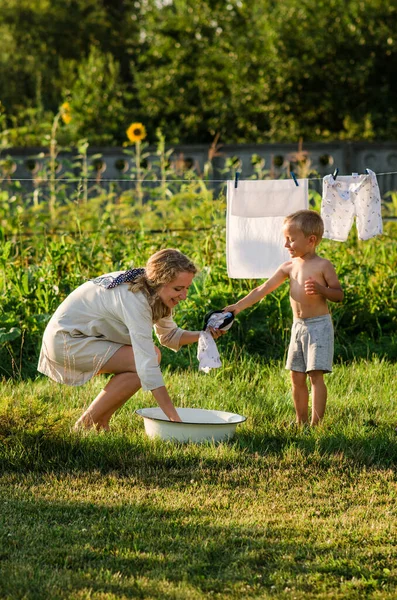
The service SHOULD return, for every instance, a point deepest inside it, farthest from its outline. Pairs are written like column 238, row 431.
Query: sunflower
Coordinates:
column 136, row 132
column 66, row 113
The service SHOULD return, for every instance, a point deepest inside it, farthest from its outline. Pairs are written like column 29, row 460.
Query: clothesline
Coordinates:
column 31, row 234
column 257, row 211
column 102, row 180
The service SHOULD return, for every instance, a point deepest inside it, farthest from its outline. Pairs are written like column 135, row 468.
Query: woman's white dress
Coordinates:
column 92, row 323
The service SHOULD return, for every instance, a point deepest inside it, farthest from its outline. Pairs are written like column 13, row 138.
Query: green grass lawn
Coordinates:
column 276, row 513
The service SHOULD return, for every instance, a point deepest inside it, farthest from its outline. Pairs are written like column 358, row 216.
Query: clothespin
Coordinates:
column 236, row 179
column 294, row 178
column 335, row 174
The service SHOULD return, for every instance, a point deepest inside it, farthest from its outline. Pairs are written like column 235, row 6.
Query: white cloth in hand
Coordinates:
column 207, row 353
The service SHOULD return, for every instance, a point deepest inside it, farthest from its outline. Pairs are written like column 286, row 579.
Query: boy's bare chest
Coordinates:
column 301, row 272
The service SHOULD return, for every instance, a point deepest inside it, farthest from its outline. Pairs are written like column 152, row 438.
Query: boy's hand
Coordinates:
column 312, row 287
column 231, row 308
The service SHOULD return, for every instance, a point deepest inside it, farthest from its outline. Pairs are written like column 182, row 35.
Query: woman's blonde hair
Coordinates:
column 162, row 267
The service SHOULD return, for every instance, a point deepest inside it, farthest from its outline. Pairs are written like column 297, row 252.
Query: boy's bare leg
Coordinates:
column 300, row 394
column 319, row 396
column 117, row 391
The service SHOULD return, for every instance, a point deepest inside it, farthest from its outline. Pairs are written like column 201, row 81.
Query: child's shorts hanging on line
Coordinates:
column 350, row 196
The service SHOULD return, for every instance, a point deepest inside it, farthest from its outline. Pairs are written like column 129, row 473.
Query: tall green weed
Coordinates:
column 47, row 248
column 36, row 274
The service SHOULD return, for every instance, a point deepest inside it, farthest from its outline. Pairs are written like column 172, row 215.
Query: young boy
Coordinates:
column 313, row 281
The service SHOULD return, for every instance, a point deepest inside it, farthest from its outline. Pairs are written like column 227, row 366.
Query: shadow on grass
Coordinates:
column 365, row 446
column 137, row 549
column 167, row 462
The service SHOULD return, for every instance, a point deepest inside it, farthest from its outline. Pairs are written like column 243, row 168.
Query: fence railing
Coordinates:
column 106, row 166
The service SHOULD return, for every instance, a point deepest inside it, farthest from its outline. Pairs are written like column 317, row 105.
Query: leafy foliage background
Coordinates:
column 40, row 266
column 248, row 70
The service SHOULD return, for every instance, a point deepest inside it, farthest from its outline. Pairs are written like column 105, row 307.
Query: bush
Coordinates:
column 38, row 270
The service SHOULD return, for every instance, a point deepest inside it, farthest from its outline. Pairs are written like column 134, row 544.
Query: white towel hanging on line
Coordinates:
column 267, row 198
column 254, row 220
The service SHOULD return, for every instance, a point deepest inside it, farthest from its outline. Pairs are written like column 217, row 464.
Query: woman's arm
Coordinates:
column 172, row 336
column 168, row 333
column 165, row 403
column 189, row 337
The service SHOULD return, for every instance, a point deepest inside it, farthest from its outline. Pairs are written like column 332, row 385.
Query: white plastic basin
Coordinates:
column 198, row 425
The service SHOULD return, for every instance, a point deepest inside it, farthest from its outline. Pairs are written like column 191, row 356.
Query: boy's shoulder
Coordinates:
column 323, row 262
column 286, row 266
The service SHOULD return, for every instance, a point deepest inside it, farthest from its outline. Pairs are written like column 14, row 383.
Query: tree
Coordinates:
column 335, row 66
column 204, row 69
column 45, row 42
column 263, row 70
column 95, row 95
column 249, row 70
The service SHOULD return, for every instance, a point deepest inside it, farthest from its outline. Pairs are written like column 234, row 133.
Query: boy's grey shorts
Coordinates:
column 312, row 345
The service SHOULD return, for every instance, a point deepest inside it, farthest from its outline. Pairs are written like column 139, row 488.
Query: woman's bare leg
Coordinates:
column 117, row 391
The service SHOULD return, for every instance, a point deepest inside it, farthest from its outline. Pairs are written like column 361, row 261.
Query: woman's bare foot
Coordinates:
column 85, row 423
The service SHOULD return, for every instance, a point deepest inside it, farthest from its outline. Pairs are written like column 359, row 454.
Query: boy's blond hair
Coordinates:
column 308, row 221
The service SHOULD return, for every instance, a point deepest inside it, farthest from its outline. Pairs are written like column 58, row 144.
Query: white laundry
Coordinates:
column 267, row 198
column 254, row 247
column 350, row 196
column 207, row 351
column 255, row 216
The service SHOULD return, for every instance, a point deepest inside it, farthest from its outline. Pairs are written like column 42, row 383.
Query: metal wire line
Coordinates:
column 79, row 179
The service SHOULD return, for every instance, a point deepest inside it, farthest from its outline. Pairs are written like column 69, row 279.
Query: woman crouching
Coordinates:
column 105, row 326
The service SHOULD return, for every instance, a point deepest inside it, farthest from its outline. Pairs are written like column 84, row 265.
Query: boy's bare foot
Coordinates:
column 293, row 424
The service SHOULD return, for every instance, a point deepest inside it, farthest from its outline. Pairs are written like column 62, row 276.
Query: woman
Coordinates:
column 105, row 326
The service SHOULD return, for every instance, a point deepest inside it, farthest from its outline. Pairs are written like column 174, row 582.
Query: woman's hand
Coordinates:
column 165, row 403
column 216, row 333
